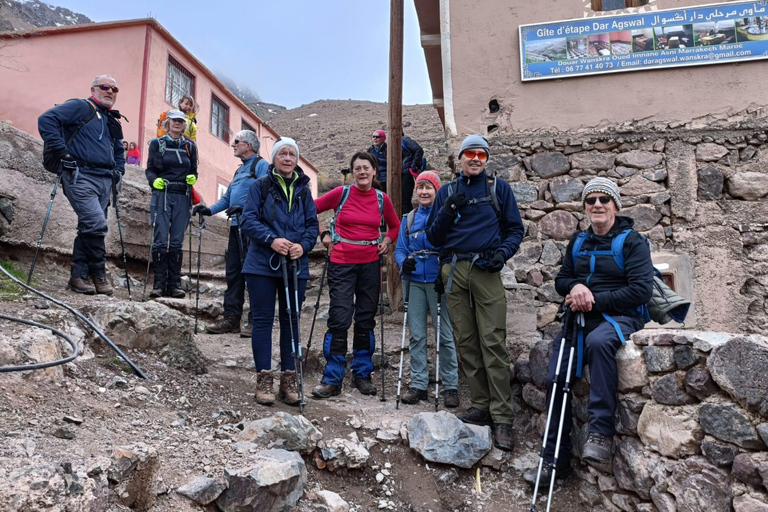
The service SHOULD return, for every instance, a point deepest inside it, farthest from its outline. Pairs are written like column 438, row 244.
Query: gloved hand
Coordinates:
column 116, row 176
column 68, row 162
column 234, row 210
column 497, row 262
column 439, row 287
column 191, row 179
column 454, row 203
column 409, row 265
column 158, row 184
column 201, row 209
column 414, row 172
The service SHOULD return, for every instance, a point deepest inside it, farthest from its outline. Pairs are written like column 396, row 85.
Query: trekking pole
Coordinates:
column 284, row 267
column 317, row 306
column 189, row 197
column 437, row 352
column 297, row 344
column 381, row 323
column 551, row 407
column 149, row 258
column 201, row 226
column 45, row 223
column 240, row 241
column 116, row 204
column 402, row 341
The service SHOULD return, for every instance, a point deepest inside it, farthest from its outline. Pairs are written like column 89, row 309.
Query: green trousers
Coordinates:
column 480, row 332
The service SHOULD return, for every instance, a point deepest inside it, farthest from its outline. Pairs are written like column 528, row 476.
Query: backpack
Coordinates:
column 336, row 238
column 270, row 188
column 50, row 162
column 253, row 166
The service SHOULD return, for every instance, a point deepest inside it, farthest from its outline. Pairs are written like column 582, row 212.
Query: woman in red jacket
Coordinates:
column 355, row 244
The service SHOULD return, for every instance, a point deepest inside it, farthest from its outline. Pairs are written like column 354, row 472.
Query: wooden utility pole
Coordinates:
column 395, row 136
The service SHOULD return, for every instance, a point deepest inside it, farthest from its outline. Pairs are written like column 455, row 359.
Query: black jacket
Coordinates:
column 412, row 155
column 172, row 161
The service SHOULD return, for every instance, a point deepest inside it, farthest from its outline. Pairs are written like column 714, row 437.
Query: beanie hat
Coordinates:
column 475, row 141
column 430, row 176
column 605, row 186
column 383, row 135
column 284, row 141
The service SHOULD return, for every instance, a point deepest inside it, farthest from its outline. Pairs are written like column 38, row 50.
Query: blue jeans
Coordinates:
column 423, row 297
column 262, row 290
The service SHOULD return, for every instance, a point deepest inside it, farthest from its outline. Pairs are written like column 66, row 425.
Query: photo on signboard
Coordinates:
column 621, row 42
column 752, row 29
column 578, row 47
column 546, row 50
column 676, row 36
column 642, row 40
column 714, row 32
column 599, row 45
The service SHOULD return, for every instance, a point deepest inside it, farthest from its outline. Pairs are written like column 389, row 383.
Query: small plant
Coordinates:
column 9, row 290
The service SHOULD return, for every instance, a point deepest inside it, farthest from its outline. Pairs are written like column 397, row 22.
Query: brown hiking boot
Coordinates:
column 80, row 285
column 451, row 398
column 265, row 394
column 413, row 395
column 102, row 285
column 227, row 324
column 289, row 390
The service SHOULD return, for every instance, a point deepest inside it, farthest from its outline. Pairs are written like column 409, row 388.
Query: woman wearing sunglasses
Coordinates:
column 607, row 275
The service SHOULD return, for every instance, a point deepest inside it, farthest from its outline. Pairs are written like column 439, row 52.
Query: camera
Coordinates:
column 345, row 171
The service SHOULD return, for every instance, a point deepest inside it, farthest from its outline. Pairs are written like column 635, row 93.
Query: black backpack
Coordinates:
column 50, row 161
column 267, row 186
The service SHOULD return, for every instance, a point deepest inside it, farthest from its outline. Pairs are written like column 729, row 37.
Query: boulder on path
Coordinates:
column 332, row 501
column 202, row 490
column 274, row 480
column 740, row 368
column 442, row 437
column 282, row 430
column 139, row 325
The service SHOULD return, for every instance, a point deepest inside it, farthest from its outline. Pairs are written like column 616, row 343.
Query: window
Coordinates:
column 612, row 5
column 219, row 119
column 246, row 126
column 179, row 82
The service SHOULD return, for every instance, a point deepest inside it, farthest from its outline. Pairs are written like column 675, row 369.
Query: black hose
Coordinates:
column 40, row 366
column 81, row 317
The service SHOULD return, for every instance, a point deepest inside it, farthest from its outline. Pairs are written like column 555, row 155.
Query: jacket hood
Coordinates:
column 301, row 178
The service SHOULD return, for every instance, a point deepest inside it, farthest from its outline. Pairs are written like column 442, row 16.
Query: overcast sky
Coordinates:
column 305, row 50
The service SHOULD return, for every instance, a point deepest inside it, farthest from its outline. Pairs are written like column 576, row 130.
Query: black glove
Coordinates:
column 454, row 203
column 439, row 287
column 116, row 176
column 496, row 263
column 201, row 209
column 409, row 265
column 68, row 162
column 234, row 210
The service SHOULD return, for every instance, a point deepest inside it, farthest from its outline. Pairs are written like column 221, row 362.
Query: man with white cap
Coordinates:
column 476, row 222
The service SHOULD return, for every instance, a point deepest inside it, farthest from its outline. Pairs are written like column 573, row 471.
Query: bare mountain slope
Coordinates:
column 20, row 15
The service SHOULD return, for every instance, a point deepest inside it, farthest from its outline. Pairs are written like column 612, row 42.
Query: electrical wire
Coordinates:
column 40, row 366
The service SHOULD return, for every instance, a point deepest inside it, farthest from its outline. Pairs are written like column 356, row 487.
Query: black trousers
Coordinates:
column 234, row 297
column 354, row 292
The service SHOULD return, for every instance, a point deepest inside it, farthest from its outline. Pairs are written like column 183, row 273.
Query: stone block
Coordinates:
column 671, row 431
column 699, row 383
column 535, row 397
column 441, row 437
column 745, row 468
column 593, row 160
column 292, row 433
column 659, row 358
column 718, row 453
column 748, row 185
column 685, row 357
column 550, row 254
column 633, row 373
column 202, row 490
column 639, row 186
column 639, row 159
column 746, row 503
column 559, row 225
column 550, row 164
column 698, row 486
column 565, row 189
column 525, row 193
column 538, row 359
column 740, row 368
column 633, row 465
column 728, row 422
column 709, row 152
column 669, row 390
column 710, row 184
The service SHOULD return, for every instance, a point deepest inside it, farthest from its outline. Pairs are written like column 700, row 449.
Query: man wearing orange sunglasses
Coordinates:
column 476, row 222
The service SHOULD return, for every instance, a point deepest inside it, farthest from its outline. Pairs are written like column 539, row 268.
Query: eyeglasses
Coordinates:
column 105, row 87
column 592, row 200
column 236, row 142
column 476, row 153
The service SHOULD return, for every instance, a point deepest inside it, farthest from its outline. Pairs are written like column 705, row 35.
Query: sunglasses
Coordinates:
column 377, row 136
column 236, row 142
column 479, row 154
column 592, row 200
column 105, row 87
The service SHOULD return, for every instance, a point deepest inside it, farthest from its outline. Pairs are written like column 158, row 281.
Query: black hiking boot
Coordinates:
column 326, row 390
column 365, row 386
column 175, row 259
column 503, row 437
column 546, row 475
column 227, row 324
column 451, row 398
column 80, row 285
column 160, row 264
column 475, row 416
column 598, row 449
column 413, row 395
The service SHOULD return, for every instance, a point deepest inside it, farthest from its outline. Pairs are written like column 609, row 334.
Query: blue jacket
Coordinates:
column 427, row 265
column 288, row 212
column 478, row 230
column 381, row 158
column 94, row 147
column 237, row 192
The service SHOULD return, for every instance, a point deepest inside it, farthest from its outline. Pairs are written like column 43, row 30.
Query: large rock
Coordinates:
column 746, row 503
column 671, row 431
column 565, row 189
column 644, row 215
column 728, row 422
column 710, row 185
column 633, row 466
column 593, row 160
column 633, row 373
column 441, row 437
column 550, row 164
column 710, row 152
column 525, row 192
column 135, row 470
column 140, row 325
column 31, row 345
column 342, row 453
column 639, row 186
column 282, row 430
column 273, row 480
column 748, row 185
column 699, row 486
column 202, row 490
column 639, row 159
column 559, row 225
column 740, row 368
column 669, row 390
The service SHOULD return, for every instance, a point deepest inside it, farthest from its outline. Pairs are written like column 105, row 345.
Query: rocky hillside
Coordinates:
column 330, row 131
column 25, row 14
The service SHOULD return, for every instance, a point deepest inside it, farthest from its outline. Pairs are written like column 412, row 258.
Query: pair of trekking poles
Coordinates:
column 116, row 205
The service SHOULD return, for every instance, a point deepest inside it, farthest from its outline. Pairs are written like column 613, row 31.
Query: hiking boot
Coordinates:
column 160, row 266
column 598, row 449
column 102, row 285
column 176, row 293
column 326, row 390
column 503, row 437
column 174, row 275
column 365, row 386
column 80, row 285
column 289, row 390
column 475, row 417
column 546, row 475
column 227, row 324
column 156, row 292
column 413, row 395
column 246, row 330
column 265, row 394
column 451, row 398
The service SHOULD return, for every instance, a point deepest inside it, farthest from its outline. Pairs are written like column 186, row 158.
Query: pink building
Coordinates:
column 42, row 67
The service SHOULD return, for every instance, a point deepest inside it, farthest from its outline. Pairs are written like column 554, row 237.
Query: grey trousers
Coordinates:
column 89, row 196
column 170, row 213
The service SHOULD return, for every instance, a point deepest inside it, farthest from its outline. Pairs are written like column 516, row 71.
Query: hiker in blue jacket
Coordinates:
column 89, row 164
column 611, row 289
column 280, row 219
column 246, row 147
column 418, row 263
